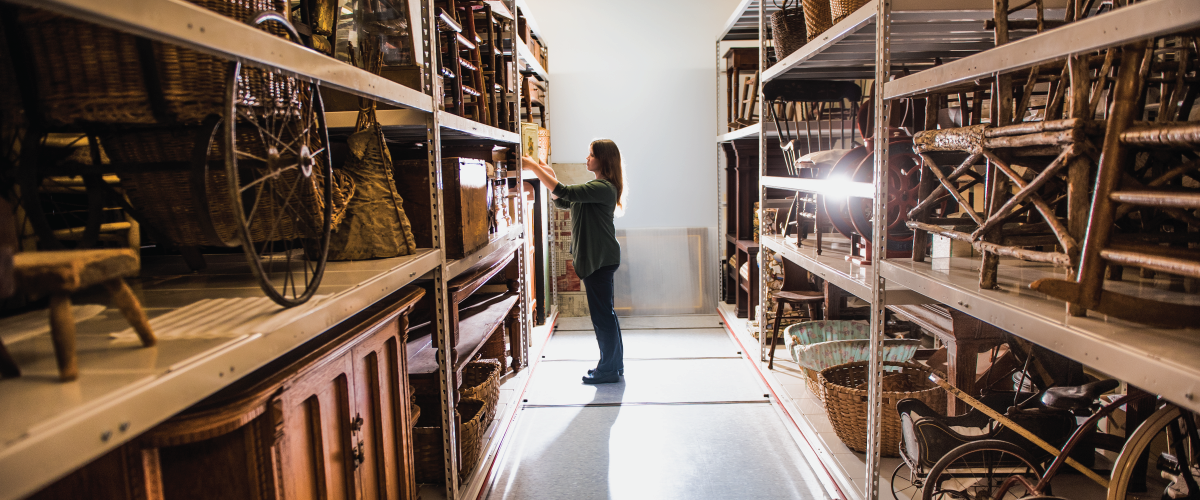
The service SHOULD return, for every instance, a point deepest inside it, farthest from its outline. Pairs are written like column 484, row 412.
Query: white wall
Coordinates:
column 642, row 73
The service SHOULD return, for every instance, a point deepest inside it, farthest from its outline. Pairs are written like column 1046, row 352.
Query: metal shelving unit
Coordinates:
column 51, row 428
column 929, row 46
column 1137, row 21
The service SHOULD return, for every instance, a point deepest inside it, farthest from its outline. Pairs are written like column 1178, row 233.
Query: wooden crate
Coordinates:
column 465, row 200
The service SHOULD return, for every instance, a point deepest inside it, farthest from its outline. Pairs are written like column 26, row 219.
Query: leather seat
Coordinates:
column 1079, row 397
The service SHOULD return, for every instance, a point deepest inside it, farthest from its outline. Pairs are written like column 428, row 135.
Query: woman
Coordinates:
column 594, row 246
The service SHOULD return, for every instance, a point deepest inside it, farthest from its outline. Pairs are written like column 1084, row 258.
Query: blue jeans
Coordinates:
column 604, row 320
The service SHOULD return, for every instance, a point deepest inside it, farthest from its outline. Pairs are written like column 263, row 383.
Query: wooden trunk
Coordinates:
column 464, row 199
column 332, row 423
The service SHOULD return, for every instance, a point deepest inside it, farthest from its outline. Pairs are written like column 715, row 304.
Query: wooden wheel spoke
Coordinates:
column 271, row 175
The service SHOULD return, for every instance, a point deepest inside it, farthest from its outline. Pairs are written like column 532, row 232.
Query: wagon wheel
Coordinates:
column 836, row 208
column 279, row 169
column 904, row 179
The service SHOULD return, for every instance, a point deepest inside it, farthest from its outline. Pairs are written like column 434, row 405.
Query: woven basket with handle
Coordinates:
column 481, row 380
column 427, row 442
column 845, row 388
column 788, row 31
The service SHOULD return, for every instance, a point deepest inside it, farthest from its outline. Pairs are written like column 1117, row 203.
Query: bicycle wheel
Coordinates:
column 977, row 469
column 905, row 486
column 1166, row 445
column 280, row 176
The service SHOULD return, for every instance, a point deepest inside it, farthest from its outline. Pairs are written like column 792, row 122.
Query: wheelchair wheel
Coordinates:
column 1173, row 473
column 976, row 470
column 280, row 173
column 905, row 486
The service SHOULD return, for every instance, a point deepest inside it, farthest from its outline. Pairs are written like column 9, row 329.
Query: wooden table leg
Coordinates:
column 132, row 309
column 514, row 339
column 961, row 363
column 62, row 331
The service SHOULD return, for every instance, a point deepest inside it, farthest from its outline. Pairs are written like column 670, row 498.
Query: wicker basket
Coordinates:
column 88, row 73
column 816, row 18
column 839, row 9
column 427, row 442
column 481, row 380
column 164, row 197
column 788, row 31
column 846, row 400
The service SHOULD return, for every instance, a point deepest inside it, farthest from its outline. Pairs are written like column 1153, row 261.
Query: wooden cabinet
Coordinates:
column 333, row 423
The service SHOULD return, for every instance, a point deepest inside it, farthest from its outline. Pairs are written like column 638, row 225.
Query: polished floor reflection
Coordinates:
column 690, row 420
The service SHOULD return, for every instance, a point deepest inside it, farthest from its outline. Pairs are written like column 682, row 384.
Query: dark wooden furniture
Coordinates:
column 482, row 312
column 61, row 273
column 746, row 290
column 333, row 422
column 464, row 199
column 478, row 310
column 741, row 173
column 741, row 87
column 796, row 291
column 964, row 337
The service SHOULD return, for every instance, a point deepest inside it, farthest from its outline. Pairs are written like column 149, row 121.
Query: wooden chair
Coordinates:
column 796, row 291
column 1157, row 192
column 59, row 274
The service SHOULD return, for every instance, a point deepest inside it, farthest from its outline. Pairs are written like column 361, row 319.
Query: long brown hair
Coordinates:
column 611, row 168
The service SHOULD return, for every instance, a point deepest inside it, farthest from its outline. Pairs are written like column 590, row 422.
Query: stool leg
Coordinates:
column 775, row 333
column 132, row 309
column 814, row 311
column 8, row 367
column 62, row 332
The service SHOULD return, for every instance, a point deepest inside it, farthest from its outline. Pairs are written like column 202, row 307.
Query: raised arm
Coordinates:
column 541, row 170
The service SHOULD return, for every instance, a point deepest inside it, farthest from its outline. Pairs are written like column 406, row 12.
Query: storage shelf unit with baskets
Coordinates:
column 934, row 49
column 48, row 436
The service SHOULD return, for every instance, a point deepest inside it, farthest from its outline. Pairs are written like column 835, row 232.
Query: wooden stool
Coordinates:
column 59, row 274
column 811, row 300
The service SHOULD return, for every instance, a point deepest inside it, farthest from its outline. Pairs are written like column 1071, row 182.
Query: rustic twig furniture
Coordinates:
column 1160, row 188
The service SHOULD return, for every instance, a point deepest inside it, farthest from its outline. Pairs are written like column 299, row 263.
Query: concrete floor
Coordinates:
column 690, row 420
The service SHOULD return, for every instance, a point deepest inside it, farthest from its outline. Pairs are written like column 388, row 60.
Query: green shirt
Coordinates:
column 594, row 238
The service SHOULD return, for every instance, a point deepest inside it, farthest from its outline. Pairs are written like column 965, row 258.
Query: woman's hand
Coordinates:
column 530, row 163
column 541, row 170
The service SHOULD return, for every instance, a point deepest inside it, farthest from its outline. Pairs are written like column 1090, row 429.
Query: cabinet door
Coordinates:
column 317, row 454
column 382, row 396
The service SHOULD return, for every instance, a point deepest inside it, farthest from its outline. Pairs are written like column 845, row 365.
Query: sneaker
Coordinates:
column 603, row 379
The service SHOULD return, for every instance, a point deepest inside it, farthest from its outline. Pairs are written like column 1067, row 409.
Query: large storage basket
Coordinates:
column 427, row 442
column 481, row 380
column 846, row 400
column 92, row 74
column 839, row 9
column 816, row 18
